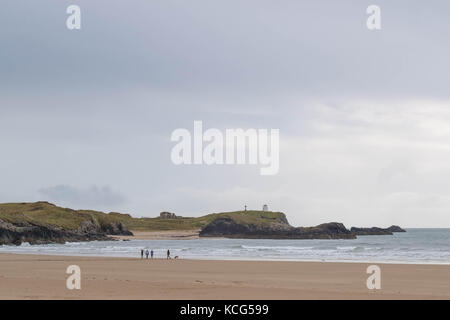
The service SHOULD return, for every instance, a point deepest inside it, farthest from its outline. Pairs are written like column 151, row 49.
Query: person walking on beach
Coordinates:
column 142, row 253
column 146, row 254
column 168, row 254
column 151, row 253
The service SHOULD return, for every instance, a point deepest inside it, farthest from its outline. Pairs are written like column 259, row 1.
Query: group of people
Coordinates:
column 147, row 253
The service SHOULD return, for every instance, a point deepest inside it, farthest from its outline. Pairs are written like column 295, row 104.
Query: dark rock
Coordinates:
column 374, row 231
column 33, row 233
column 395, row 229
column 115, row 229
column 229, row 228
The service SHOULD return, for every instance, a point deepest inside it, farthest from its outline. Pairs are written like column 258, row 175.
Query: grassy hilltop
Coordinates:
column 45, row 213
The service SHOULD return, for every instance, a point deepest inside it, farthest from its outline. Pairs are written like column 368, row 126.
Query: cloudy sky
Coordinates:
column 364, row 116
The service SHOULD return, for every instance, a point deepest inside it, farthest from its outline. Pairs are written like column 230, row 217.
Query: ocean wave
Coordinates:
column 276, row 247
column 413, row 246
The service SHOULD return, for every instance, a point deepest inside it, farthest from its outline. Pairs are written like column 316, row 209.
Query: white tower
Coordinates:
column 265, row 207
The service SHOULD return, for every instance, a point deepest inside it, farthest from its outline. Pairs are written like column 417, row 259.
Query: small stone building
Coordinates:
column 167, row 215
column 265, row 207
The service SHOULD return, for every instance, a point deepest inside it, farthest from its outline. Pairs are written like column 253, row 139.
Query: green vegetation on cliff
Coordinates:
column 42, row 222
column 69, row 219
column 45, row 213
column 182, row 223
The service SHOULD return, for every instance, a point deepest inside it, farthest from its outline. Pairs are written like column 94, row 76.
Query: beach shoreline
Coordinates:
column 188, row 245
column 25, row 276
column 224, row 258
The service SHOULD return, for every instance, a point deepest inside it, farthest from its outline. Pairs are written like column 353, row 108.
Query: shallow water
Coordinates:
column 414, row 246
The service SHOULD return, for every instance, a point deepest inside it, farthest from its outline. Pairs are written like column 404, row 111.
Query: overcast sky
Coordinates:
column 364, row 116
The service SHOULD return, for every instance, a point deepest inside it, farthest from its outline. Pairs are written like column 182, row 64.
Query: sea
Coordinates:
column 421, row 246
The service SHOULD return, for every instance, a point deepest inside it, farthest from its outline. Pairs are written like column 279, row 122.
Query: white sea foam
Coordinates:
column 414, row 246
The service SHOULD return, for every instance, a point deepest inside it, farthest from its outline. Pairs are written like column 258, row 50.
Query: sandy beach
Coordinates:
column 44, row 277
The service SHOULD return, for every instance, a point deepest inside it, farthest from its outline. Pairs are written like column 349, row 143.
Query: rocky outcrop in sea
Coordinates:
column 229, row 228
column 374, row 231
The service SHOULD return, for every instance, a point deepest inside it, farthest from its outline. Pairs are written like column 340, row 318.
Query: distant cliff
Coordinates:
column 42, row 222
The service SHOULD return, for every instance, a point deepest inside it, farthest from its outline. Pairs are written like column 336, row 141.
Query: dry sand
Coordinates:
column 44, row 277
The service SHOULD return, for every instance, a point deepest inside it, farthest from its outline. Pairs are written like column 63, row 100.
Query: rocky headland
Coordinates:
column 43, row 222
column 274, row 225
column 229, row 228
